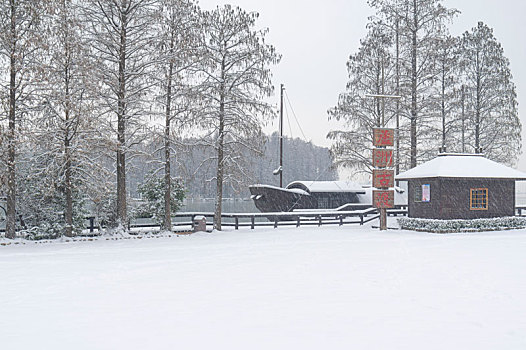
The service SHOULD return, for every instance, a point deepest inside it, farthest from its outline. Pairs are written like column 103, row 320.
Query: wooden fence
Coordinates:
column 295, row 218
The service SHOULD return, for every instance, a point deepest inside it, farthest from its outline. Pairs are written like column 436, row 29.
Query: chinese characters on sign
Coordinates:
column 383, row 137
column 383, row 178
column 382, row 158
column 383, row 199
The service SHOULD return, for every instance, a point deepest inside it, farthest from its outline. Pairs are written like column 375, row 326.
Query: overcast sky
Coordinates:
column 316, row 38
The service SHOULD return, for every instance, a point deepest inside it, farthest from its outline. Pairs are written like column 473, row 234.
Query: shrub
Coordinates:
column 152, row 192
column 474, row 225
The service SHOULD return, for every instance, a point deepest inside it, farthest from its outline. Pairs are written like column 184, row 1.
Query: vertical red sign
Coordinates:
column 383, row 137
column 383, row 199
column 382, row 158
column 383, row 178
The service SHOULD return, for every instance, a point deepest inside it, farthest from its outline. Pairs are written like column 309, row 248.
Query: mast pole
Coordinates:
column 281, row 139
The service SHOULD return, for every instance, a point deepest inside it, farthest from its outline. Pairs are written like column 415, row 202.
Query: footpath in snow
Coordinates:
column 349, row 287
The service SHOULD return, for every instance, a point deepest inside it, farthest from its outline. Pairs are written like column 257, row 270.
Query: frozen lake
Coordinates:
column 229, row 206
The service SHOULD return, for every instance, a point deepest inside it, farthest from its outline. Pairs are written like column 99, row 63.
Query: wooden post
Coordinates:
column 383, row 219
column 91, row 224
column 237, row 223
column 297, row 221
column 252, row 219
column 281, row 139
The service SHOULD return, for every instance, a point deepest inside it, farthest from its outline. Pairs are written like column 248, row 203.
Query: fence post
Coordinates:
column 341, row 220
column 275, row 222
column 361, row 218
column 252, row 222
column 297, row 221
column 91, row 224
column 319, row 220
column 237, row 223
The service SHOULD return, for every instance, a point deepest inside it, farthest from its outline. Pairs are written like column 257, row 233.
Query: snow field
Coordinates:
column 347, row 287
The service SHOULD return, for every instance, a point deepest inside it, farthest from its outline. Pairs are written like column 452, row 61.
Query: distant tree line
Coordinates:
column 195, row 166
column 457, row 93
column 85, row 84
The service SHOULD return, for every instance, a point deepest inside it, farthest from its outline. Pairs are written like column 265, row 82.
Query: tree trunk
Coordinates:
column 67, row 141
column 67, row 156
column 414, row 87
column 477, row 108
column 69, row 196
column 397, row 39
column 220, row 161
column 167, row 222
column 11, row 180
column 443, row 106
column 121, row 129
column 463, row 121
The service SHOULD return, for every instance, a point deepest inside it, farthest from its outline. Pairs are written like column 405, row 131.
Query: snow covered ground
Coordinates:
column 309, row 288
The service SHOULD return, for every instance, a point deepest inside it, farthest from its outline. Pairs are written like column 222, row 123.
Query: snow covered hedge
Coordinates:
column 450, row 226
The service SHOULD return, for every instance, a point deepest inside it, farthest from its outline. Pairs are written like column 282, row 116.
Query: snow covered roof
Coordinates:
column 327, row 186
column 458, row 165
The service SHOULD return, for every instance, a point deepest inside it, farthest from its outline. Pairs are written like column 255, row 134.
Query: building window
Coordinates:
column 323, row 203
column 422, row 193
column 478, row 199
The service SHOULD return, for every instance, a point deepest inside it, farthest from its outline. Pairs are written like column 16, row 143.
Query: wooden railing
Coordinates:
column 296, row 218
column 253, row 220
column 519, row 209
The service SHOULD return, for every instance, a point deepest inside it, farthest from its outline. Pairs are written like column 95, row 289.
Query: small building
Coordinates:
column 461, row 186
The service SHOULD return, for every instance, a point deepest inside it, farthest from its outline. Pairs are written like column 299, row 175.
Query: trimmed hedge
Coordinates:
column 451, row 226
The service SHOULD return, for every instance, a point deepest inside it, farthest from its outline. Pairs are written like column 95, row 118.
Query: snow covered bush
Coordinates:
column 41, row 200
column 474, row 225
column 152, row 191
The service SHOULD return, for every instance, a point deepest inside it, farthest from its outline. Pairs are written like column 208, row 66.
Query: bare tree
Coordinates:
column 65, row 126
column 123, row 39
column 179, row 36
column 371, row 71
column 445, row 94
column 18, row 38
column 495, row 128
column 237, row 78
column 418, row 22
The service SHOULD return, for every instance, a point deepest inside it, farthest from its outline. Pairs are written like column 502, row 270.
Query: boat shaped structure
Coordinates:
column 320, row 195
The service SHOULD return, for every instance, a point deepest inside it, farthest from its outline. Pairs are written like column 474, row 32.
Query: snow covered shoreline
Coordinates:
column 345, row 287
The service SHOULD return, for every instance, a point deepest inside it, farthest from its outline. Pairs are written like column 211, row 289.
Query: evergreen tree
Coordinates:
column 152, row 191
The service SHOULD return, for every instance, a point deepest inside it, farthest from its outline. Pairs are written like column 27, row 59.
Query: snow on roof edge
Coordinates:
column 458, row 165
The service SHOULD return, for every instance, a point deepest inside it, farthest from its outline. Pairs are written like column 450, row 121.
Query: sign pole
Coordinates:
column 383, row 158
column 383, row 178
column 383, row 219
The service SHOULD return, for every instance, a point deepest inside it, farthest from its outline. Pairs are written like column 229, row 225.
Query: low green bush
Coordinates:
column 451, row 226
